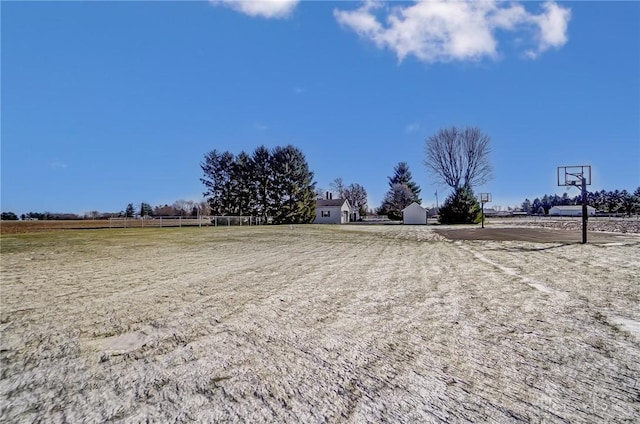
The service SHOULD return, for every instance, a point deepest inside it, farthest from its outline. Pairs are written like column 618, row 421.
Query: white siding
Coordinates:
column 414, row 214
column 571, row 211
column 333, row 212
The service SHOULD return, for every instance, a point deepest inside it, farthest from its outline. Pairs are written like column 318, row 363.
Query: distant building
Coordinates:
column 573, row 210
column 334, row 211
column 414, row 214
column 490, row 212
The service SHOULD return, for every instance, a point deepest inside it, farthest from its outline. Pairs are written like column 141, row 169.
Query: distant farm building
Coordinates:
column 334, row 211
column 575, row 210
column 414, row 214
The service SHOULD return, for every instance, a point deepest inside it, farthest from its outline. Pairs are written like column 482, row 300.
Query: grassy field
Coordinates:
column 316, row 324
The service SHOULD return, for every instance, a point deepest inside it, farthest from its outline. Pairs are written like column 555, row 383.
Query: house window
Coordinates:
column 325, row 214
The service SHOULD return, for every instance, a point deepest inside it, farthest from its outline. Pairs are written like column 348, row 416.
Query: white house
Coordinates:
column 332, row 211
column 414, row 214
column 574, row 210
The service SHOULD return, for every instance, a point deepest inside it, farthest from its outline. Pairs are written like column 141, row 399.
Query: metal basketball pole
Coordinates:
column 584, row 210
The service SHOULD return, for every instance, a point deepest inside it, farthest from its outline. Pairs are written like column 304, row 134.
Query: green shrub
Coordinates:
column 461, row 207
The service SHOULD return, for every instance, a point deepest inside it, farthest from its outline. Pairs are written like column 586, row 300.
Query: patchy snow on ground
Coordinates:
column 316, row 324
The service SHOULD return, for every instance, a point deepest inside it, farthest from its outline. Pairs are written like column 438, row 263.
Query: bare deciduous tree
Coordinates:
column 459, row 157
column 357, row 197
column 338, row 188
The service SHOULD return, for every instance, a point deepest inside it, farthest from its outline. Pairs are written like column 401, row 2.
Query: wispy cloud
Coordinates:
column 58, row 165
column 298, row 90
column 260, row 126
column 454, row 30
column 260, row 8
column 411, row 128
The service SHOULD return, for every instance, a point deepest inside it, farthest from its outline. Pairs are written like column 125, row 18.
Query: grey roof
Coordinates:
column 330, row 202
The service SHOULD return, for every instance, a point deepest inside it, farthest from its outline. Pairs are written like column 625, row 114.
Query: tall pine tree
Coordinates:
column 402, row 175
column 262, row 180
column 293, row 195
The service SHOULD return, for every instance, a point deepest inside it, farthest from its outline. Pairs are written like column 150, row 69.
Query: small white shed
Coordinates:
column 414, row 214
column 573, row 210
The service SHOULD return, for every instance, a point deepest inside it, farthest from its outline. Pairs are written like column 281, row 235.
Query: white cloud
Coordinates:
column 261, row 8
column 553, row 28
column 449, row 30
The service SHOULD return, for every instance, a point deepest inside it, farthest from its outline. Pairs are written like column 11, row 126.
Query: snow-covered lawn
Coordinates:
column 316, row 324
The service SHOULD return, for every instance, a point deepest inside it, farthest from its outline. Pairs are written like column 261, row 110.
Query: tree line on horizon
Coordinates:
column 612, row 201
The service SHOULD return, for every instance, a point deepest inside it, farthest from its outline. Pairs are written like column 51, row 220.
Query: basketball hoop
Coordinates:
column 577, row 176
column 484, row 198
column 574, row 176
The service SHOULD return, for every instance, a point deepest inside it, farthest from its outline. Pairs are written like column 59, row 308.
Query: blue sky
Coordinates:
column 109, row 103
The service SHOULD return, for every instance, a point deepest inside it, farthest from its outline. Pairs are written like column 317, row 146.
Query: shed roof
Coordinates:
column 413, row 207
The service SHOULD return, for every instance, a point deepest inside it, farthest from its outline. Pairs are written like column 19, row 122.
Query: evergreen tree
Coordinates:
column 402, row 175
column 626, row 202
column 262, row 181
column 635, row 208
column 129, row 211
column 242, row 187
column 397, row 198
column 9, row 216
column 461, row 207
column 146, row 209
column 293, row 196
column 218, row 172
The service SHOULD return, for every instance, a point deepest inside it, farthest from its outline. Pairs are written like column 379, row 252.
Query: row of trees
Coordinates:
column 182, row 208
column 616, row 201
column 274, row 183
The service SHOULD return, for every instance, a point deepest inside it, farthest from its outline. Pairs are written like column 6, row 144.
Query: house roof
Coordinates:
column 330, row 202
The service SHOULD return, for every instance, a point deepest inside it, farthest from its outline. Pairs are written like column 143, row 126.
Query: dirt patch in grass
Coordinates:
column 538, row 235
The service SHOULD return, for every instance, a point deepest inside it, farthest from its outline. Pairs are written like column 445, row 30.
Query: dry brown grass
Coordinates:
column 22, row 227
column 315, row 324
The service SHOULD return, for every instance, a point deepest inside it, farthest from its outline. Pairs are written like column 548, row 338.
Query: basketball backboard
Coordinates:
column 485, row 197
column 573, row 175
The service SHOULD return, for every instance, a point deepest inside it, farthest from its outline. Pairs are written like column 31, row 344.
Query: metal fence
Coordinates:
column 182, row 221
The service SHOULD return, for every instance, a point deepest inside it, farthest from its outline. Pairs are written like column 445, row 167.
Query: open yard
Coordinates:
column 317, row 324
